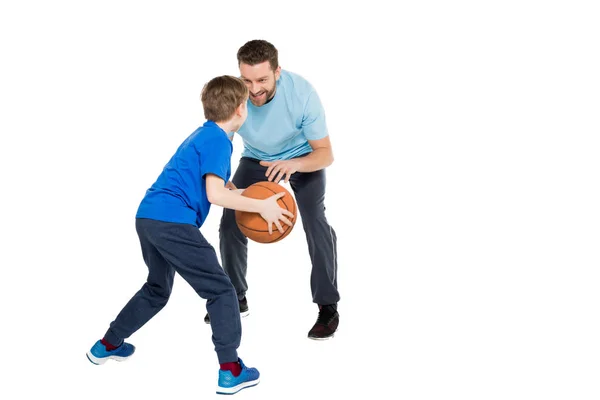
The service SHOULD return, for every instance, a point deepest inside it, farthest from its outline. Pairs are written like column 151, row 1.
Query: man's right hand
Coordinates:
column 273, row 214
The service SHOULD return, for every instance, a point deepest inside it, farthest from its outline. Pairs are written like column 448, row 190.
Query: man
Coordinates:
column 285, row 137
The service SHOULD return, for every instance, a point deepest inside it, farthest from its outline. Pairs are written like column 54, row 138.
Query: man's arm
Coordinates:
column 313, row 127
column 320, row 157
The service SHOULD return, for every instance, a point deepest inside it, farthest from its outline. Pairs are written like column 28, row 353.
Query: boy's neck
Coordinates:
column 227, row 126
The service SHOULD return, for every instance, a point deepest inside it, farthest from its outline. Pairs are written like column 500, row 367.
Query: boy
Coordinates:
column 168, row 221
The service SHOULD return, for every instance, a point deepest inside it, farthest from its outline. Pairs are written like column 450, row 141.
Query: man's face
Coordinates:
column 261, row 81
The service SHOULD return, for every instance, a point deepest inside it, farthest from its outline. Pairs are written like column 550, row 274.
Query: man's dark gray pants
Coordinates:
column 309, row 191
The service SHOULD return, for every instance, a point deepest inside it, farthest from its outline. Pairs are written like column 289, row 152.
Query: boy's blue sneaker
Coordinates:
column 99, row 355
column 229, row 384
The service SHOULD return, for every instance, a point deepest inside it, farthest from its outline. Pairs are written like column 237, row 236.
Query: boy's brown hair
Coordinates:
column 256, row 52
column 221, row 96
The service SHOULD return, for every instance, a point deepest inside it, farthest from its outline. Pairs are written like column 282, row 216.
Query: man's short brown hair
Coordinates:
column 256, row 52
column 221, row 96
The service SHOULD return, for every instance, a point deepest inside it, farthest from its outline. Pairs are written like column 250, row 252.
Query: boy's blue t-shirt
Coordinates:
column 179, row 193
column 281, row 128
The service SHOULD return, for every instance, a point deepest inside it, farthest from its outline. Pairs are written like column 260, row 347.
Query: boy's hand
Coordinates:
column 273, row 214
column 278, row 169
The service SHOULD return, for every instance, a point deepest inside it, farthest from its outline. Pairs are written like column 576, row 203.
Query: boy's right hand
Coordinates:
column 273, row 214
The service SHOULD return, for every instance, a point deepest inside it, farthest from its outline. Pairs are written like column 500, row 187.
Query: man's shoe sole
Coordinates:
column 322, row 338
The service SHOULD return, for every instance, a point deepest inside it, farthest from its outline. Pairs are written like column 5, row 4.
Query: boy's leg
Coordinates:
column 232, row 242
column 153, row 295
column 188, row 252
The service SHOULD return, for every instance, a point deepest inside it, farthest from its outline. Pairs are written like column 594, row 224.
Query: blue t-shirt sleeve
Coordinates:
column 314, row 125
column 215, row 157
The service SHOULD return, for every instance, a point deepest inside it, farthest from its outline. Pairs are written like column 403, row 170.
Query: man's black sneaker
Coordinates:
column 243, row 310
column 326, row 324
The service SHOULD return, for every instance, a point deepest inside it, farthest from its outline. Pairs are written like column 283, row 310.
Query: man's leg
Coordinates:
column 232, row 242
column 309, row 190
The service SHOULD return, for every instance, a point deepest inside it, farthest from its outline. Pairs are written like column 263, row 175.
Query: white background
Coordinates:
column 464, row 194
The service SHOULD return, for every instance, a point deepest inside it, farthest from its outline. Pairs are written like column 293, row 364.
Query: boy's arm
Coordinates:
column 268, row 208
column 230, row 185
column 233, row 188
column 220, row 195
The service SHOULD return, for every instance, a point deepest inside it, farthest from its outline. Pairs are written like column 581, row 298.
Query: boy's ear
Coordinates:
column 240, row 109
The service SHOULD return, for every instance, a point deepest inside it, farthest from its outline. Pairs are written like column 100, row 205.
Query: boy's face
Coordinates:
column 261, row 81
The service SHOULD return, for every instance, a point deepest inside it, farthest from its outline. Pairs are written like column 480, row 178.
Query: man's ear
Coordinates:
column 277, row 73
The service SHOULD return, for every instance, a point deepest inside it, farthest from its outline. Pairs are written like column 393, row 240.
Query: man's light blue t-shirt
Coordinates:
column 280, row 129
column 179, row 193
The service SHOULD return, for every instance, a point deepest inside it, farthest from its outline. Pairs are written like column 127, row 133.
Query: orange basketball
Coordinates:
column 252, row 225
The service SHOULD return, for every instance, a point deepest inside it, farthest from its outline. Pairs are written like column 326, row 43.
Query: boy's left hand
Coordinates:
column 280, row 169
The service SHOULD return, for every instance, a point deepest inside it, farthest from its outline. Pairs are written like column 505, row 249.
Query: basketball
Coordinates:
column 253, row 226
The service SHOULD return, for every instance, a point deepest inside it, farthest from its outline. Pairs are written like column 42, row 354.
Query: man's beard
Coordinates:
column 269, row 95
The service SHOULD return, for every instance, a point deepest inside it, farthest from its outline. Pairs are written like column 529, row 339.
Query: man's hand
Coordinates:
column 279, row 169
